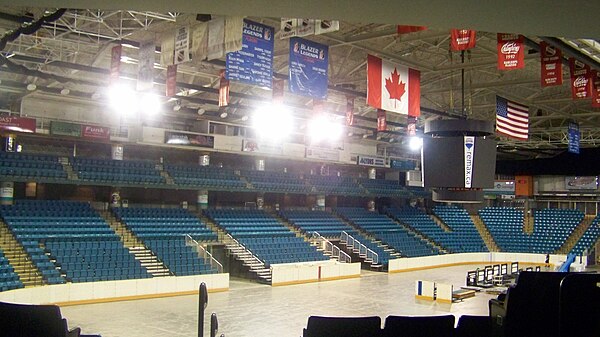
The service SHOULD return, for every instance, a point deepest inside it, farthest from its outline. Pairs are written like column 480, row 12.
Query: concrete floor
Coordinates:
column 250, row 309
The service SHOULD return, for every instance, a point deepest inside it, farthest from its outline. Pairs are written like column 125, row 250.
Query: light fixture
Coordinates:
column 65, row 91
column 177, row 106
column 350, row 134
column 324, row 127
column 415, row 143
column 365, row 136
column 149, row 104
column 223, row 114
column 244, row 118
column 122, row 99
column 201, row 111
column 31, row 87
column 273, row 121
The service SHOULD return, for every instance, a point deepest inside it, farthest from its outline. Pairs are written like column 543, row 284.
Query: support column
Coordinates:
column 7, row 193
column 202, row 199
column 320, row 202
column 260, row 164
column 372, row 173
column 204, row 159
column 117, row 152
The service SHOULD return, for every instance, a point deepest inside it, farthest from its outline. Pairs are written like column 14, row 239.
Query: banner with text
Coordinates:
column 115, row 63
column 581, row 86
column 296, row 27
column 403, row 164
column 322, row 154
column 574, row 137
column 581, row 183
column 189, row 139
column 95, row 132
column 511, row 51
column 596, row 89
column 256, row 146
column 145, row 78
column 254, row 63
column 372, row 161
column 551, row 62
column 308, row 68
column 18, row 124
column 182, row 45
column 462, row 39
column 65, row 129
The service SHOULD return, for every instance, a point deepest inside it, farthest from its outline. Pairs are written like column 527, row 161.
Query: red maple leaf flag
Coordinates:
column 393, row 87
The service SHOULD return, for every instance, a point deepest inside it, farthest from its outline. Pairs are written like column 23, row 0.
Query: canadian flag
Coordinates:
column 393, row 87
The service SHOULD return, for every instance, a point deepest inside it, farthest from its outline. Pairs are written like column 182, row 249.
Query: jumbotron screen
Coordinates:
column 459, row 162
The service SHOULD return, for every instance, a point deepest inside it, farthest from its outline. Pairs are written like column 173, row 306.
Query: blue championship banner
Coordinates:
column 308, row 68
column 254, row 63
column 574, row 136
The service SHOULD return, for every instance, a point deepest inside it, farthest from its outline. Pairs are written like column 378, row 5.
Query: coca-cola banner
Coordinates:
column 381, row 120
column 581, row 84
column 95, row 132
column 511, row 52
column 462, row 39
column 551, row 58
column 596, row 89
column 18, row 124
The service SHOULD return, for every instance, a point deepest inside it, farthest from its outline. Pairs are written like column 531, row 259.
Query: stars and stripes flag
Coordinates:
column 512, row 119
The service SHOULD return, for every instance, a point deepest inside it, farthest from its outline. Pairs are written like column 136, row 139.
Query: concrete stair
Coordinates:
column 168, row 179
column 422, row 237
column 485, row 234
column 577, row 233
column 71, row 174
column 528, row 224
column 19, row 259
column 440, row 222
column 136, row 247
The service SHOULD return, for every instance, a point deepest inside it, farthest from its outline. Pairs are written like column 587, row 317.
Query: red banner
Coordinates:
column 462, row 39
column 551, row 58
column 171, row 83
column 18, row 124
column 409, row 29
column 278, row 91
column 411, row 126
column 349, row 110
column 511, row 51
column 223, row 90
column 581, row 76
column 115, row 63
column 381, row 120
column 95, row 132
column 596, row 89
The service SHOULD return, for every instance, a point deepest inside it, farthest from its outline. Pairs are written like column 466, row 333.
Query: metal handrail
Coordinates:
column 189, row 241
column 362, row 249
column 329, row 247
column 246, row 249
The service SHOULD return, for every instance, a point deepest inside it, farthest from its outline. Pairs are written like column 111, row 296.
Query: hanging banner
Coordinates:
column 233, row 33
column 296, row 27
column 349, row 110
column 65, row 129
column 18, row 124
column 596, row 89
column 322, row 154
column 402, row 29
column 189, row 139
column 199, row 48
column 171, row 82
column 216, row 38
column 326, row 26
column 115, row 63
column 511, row 51
column 167, row 48
column 182, row 45
column 145, row 79
column 95, row 132
column 462, row 39
column 308, row 68
column 581, row 84
column 574, row 137
column 254, row 63
column 551, row 62
column 411, row 126
column 278, row 91
column 223, row 90
column 372, row 161
column 381, row 120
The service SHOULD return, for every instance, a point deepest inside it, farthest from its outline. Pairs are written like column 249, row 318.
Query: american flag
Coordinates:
column 512, row 119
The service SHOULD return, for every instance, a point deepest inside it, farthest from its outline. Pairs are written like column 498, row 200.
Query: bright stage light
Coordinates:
column 122, row 99
column 273, row 121
column 149, row 105
column 415, row 143
column 323, row 128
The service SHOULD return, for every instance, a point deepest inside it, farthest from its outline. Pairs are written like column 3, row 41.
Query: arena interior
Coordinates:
column 151, row 147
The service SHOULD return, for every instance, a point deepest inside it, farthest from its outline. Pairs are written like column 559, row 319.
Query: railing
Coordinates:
column 189, row 241
column 246, row 249
column 361, row 248
column 330, row 248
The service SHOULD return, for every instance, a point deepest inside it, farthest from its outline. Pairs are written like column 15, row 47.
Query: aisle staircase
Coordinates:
column 440, row 222
column 577, row 233
column 422, row 237
column 255, row 266
column 19, row 259
column 71, row 174
column 168, row 179
column 528, row 224
column 485, row 234
column 136, row 247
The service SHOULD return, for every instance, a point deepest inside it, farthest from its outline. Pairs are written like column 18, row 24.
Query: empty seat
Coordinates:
column 343, row 326
column 419, row 326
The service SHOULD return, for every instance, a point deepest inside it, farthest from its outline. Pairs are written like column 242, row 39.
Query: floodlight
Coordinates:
column 273, row 121
column 150, row 104
column 122, row 98
column 415, row 143
column 323, row 127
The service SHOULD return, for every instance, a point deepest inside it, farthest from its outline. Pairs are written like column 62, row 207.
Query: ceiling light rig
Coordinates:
column 273, row 122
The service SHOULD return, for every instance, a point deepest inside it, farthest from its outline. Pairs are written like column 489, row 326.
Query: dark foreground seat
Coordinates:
column 474, row 326
column 419, row 326
column 22, row 320
column 343, row 327
column 579, row 309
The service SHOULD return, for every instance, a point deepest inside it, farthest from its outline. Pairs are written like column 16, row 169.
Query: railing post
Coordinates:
column 214, row 325
column 202, row 303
